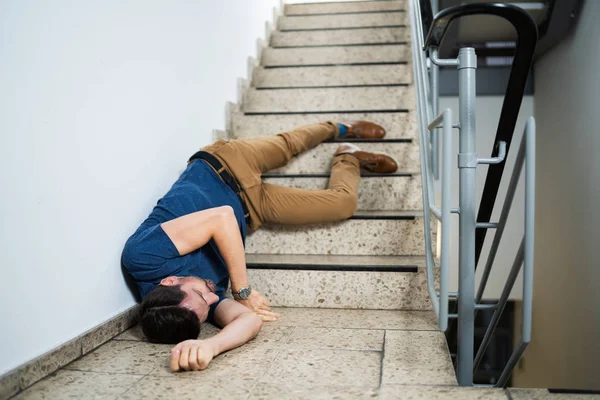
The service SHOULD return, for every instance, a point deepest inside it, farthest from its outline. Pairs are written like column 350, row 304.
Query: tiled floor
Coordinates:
column 308, row 354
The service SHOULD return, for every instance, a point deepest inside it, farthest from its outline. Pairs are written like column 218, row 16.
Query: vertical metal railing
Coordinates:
column 425, row 65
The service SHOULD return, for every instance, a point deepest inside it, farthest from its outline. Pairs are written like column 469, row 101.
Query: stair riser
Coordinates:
column 336, row 55
column 332, row 76
column 343, row 289
column 340, row 37
column 318, row 160
column 355, row 237
column 393, row 193
column 329, row 99
column 342, row 21
column 398, row 125
column 345, row 7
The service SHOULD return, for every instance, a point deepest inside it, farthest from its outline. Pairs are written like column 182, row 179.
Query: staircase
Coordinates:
column 356, row 320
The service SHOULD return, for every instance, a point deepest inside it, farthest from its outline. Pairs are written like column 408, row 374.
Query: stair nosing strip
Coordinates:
column 365, row 64
column 323, row 175
column 333, row 86
column 400, row 110
column 362, row 140
column 343, row 28
column 338, row 45
column 385, row 217
column 347, row 13
column 333, row 267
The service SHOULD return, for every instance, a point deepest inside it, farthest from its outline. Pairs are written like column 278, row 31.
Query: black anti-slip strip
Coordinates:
column 342, row 28
column 332, row 87
column 338, row 45
column 385, row 217
column 336, row 65
column 401, row 110
column 363, row 175
column 321, row 267
column 362, row 140
column 347, row 2
column 575, row 391
column 347, row 13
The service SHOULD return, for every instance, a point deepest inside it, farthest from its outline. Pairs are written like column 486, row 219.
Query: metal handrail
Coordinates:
column 429, row 122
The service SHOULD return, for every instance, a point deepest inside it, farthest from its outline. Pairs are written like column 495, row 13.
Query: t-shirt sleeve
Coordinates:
column 211, row 310
column 146, row 254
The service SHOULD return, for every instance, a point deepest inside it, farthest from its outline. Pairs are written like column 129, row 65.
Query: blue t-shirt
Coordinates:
column 149, row 255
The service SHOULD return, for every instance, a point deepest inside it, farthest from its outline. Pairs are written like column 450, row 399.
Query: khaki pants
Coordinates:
column 248, row 159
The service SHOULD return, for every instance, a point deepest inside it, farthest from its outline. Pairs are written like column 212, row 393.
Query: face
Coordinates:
column 200, row 293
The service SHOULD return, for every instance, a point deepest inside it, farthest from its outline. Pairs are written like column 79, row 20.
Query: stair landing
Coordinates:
column 308, row 353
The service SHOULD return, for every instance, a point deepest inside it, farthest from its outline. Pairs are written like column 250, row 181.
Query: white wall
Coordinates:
column 565, row 347
column 101, row 103
column 488, row 115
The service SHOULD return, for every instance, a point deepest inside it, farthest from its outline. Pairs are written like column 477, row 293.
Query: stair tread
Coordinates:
column 352, row 236
column 318, row 160
column 357, row 75
column 344, row 7
column 327, row 100
column 335, row 260
column 398, row 125
column 341, row 37
column 380, row 193
column 336, row 55
column 307, row 22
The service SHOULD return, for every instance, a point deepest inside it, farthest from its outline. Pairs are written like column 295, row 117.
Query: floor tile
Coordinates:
column 264, row 391
column 389, row 392
column 543, row 394
column 336, row 339
column 66, row 384
column 125, row 357
column 331, row 368
column 271, row 335
column 417, row 358
column 244, row 364
column 357, row 319
column 151, row 387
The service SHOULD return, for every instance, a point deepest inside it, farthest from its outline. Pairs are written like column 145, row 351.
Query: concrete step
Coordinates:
column 392, row 53
column 391, row 192
column 398, row 125
column 368, row 237
column 344, row 7
column 313, row 22
column 307, row 77
column 360, row 282
column 339, row 37
column 327, row 100
column 318, row 160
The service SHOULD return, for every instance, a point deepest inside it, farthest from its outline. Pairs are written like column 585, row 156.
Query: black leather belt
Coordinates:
column 225, row 176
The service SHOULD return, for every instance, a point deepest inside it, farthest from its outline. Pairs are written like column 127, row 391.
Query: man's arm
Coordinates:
column 192, row 231
column 240, row 325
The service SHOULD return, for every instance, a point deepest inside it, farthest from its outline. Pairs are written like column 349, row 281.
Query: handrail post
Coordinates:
column 435, row 102
column 467, row 163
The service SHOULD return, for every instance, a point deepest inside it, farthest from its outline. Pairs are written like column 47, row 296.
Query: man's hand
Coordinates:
column 192, row 355
column 257, row 303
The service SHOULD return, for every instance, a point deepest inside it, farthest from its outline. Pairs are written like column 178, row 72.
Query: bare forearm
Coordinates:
column 229, row 241
column 236, row 333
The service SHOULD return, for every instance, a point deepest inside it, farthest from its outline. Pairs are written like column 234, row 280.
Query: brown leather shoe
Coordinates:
column 376, row 162
column 363, row 129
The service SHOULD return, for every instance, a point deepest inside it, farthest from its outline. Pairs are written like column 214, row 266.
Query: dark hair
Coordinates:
column 164, row 320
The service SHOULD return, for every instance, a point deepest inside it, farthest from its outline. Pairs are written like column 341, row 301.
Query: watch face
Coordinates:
column 244, row 293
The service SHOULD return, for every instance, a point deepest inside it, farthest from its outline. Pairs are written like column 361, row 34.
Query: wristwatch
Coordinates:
column 243, row 294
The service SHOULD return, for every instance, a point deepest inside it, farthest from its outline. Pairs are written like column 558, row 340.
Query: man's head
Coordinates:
column 174, row 310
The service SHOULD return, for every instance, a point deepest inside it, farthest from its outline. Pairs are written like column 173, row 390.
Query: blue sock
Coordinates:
column 343, row 129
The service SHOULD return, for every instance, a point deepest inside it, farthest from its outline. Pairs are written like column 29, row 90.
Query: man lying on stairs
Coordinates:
column 185, row 253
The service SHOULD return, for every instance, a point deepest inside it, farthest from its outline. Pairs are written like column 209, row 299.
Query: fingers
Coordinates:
column 194, row 356
column 175, row 353
column 267, row 316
